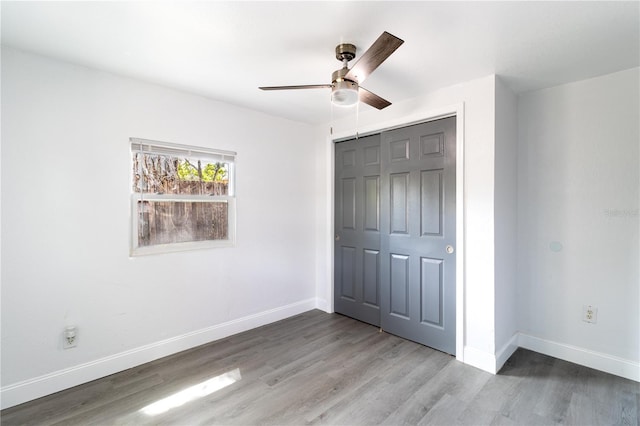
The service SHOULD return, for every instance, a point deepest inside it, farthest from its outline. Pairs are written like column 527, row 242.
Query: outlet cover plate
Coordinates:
column 589, row 314
column 67, row 345
column 72, row 332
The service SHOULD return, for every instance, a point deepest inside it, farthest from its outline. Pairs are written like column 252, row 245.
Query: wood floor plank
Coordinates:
column 445, row 411
column 318, row 368
column 453, row 379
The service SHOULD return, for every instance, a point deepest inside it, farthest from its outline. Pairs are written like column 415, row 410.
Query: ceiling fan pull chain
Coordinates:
column 357, row 119
column 331, row 120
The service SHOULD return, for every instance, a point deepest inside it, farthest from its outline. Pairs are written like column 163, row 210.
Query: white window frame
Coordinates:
column 167, row 148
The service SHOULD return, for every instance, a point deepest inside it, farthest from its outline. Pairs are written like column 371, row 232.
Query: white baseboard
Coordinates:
column 486, row 361
column 323, row 305
column 480, row 359
column 507, row 350
column 37, row 387
column 592, row 359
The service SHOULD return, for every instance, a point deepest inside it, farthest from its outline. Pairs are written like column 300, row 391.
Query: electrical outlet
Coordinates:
column 589, row 314
column 70, row 337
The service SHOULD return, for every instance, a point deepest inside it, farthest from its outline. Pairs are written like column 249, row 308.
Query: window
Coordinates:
column 182, row 197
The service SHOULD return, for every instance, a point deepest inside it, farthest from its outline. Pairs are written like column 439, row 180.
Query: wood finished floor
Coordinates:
column 318, row 368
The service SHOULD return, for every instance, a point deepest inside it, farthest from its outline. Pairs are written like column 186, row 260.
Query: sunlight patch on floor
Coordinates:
column 194, row 392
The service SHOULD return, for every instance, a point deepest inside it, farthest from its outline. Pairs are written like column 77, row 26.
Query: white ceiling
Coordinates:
column 225, row 50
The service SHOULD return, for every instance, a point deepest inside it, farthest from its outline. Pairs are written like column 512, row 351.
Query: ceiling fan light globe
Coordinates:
column 344, row 93
column 345, row 97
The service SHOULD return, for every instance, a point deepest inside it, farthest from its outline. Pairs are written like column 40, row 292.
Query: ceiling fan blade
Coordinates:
column 372, row 99
column 381, row 49
column 306, row 86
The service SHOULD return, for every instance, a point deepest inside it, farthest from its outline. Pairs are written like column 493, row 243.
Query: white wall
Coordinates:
column 477, row 100
column 506, row 231
column 578, row 200
column 65, row 226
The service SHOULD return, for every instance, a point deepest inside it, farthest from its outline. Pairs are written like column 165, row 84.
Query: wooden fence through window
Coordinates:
column 165, row 222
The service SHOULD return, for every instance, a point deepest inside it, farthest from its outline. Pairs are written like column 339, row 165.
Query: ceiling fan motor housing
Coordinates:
column 344, row 92
column 339, row 76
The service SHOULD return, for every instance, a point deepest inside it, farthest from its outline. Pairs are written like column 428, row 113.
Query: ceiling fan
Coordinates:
column 345, row 83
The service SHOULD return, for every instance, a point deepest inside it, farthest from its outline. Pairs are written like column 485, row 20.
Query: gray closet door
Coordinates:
column 357, row 229
column 394, row 220
column 417, row 272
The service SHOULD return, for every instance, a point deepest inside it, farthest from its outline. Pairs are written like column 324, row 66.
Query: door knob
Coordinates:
column 449, row 249
column 337, row 237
